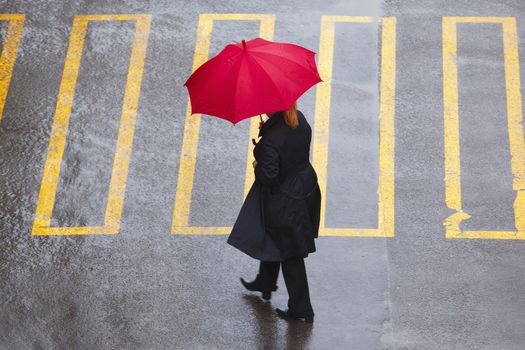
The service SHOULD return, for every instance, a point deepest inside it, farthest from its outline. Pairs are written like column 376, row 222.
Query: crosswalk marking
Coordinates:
column 188, row 157
column 451, row 128
column 48, row 187
column 182, row 203
column 385, row 226
column 9, row 50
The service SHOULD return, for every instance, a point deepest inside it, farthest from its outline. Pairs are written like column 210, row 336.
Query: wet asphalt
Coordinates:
column 145, row 288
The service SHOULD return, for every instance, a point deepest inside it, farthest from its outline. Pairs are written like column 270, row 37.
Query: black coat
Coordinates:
column 280, row 217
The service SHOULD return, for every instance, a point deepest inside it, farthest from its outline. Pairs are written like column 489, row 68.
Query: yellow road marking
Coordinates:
column 46, row 198
column 451, row 128
column 183, row 195
column 385, row 226
column 8, row 56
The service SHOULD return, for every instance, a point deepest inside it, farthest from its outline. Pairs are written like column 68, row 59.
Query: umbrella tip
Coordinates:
column 244, row 44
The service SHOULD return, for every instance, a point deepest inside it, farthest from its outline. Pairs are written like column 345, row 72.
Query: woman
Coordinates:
column 279, row 219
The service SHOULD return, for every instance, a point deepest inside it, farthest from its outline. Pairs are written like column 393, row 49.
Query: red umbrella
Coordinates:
column 252, row 78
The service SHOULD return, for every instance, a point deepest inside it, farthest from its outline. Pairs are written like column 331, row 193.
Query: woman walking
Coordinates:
column 279, row 219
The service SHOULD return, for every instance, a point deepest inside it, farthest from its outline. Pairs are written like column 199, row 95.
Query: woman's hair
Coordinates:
column 290, row 116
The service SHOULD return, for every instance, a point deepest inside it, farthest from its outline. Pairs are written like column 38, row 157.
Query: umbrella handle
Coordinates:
column 260, row 117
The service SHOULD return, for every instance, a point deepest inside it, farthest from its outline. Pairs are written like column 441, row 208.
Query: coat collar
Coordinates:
column 273, row 120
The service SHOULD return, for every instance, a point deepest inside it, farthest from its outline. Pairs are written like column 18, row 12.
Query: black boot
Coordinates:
column 256, row 285
column 286, row 314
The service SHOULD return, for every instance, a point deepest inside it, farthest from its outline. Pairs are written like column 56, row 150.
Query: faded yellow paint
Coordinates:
column 46, row 198
column 203, row 230
column 9, row 51
column 385, row 192
column 451, row 128
column 183, row 195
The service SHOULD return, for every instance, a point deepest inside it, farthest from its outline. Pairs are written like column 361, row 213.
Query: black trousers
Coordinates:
column 294, row 274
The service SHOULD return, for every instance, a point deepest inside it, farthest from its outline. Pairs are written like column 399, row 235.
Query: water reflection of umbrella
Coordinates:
column 252, row 78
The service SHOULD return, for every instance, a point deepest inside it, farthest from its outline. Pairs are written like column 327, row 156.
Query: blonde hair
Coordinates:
column 290, row 116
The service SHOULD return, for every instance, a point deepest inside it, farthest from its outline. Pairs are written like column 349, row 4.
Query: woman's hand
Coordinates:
column 254, row 163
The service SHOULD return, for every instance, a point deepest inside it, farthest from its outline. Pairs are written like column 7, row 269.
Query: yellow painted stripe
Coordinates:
column 322, row 109
column 353, row 232
column 476, row 19
column 57, row 140
column 451, row 128
column 50, row 177
column 515, row 119
column 185, row 180
column 9, row 51
column 387, row 128
column 80, row 230
column 203, row 230
column 190, row 139
column 485, row 235
column 386, row 124
column 119, row 175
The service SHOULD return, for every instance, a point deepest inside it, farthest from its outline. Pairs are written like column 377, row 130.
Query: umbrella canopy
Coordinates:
column 252, row 78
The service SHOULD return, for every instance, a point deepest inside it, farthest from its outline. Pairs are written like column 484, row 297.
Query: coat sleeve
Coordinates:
column 267, row 168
